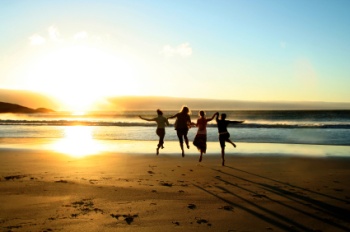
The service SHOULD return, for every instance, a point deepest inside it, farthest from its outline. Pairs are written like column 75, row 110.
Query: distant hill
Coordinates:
column 27, row 98
column 18, row 109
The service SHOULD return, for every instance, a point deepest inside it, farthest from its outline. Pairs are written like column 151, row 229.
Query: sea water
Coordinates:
column 325, row 128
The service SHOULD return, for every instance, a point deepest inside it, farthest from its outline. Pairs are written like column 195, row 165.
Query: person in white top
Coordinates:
column 162, row 122
column 200, row 141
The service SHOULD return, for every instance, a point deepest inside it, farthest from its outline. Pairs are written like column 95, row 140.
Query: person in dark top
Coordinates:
column 182, row 125
column 162, row 122
column 224, row 136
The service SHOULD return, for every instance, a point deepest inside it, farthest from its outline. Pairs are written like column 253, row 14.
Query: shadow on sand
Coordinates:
column 287, row 198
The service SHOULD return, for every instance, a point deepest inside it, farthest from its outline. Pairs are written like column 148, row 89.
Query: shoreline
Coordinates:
column 48, row 191
column 93, row 146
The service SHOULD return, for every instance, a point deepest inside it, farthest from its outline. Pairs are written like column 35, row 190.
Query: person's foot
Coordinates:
column 200, row 159
column 162, row 147
column 157, row 151
column 188, row 146
column 223, row 163
column 234, row 145
column 183, row 154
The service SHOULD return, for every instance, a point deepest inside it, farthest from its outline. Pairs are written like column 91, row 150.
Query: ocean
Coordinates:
column 330, row 129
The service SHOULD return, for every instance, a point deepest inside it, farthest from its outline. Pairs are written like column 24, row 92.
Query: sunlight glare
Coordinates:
column 78, row 142
column 80, row 76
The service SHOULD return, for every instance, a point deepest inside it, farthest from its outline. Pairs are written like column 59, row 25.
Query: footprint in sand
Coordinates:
column 203, row 221
column 61, row 181
column 176, row 223
column 127, row 217
column 191, row 206
column 227, row 207
column 166, row 184
column 15, row 177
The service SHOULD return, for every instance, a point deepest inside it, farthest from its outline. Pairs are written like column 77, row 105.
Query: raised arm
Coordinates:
column 216, row 114
column 235, row 122
column 146, row 118
column 172, row 116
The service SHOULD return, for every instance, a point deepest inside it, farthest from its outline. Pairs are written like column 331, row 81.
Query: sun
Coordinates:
column 79, row 76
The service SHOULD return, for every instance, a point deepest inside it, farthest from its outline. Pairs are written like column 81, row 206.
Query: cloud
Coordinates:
column 37, row 40
column 54, row 36
column 183, row 50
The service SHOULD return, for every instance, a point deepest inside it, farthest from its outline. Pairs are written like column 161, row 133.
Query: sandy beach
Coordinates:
column 41, row 190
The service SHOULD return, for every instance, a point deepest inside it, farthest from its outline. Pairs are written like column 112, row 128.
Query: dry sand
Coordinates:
column 45, row 191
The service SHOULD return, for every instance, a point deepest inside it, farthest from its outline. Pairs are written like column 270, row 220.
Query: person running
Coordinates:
column 200, row 140
column 182, row 125
column 161, row 123
column 224, row 136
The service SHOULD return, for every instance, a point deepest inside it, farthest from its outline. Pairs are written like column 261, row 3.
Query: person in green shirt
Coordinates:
column 162, row 122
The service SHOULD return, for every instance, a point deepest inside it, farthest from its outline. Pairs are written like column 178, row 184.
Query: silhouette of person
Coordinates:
column 161, row 123
column 182, row 125
column 200, row 140
column 224, row 136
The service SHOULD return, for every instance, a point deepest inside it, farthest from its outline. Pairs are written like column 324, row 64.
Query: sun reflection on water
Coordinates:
column 78, row 141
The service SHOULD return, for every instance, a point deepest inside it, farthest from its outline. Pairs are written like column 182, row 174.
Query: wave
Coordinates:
column 330, row 125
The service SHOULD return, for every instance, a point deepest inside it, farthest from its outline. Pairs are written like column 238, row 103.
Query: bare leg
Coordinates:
column 233, row 144
column 182, row 149
column 181, row 143
column 161, row 141
column 200, row 157
column 186, row 141
column 158, row 146
column 223, row 156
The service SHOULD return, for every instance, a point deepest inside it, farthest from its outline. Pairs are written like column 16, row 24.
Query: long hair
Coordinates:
column 185, row 110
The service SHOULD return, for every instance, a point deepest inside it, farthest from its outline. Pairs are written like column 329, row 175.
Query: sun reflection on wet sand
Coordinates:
column 78, row 141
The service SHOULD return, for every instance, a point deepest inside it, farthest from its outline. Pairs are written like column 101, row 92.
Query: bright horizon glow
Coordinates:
column 80, row 52
column 80, row 75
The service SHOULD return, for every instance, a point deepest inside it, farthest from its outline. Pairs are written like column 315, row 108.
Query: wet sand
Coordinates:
column 41, row 190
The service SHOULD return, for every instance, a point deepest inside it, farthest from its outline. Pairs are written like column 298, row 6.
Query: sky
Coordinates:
column 251, row 50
